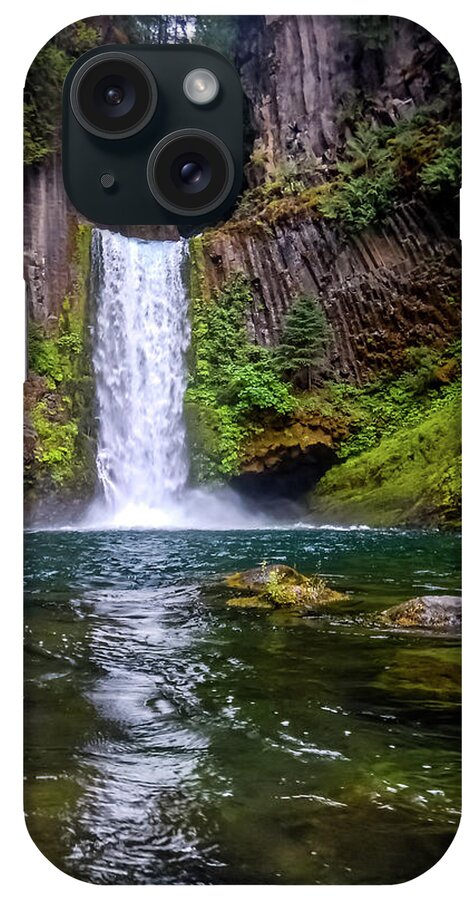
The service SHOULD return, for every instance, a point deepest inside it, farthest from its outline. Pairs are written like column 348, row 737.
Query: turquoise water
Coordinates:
column 172, row 739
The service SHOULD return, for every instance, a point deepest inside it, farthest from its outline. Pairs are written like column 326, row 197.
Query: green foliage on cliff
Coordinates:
column 443, row 172
column 371, row 32
column 233, row 382
column 56, row 439
column 431, row 381
column 236, row 390
column 413, row 477
column 43, row 86
column 59, row 368
column 380, row 164
column 304, row 339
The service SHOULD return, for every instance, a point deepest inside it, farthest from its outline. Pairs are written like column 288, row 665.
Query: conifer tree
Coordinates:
column 304, row 340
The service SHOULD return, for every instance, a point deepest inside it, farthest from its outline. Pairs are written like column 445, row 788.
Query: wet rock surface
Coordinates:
column 425, row 672
column 437, row 613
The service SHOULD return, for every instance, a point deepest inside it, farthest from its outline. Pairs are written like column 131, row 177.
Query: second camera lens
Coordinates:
column 190, row 172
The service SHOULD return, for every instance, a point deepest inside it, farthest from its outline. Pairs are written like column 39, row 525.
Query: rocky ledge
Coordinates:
column 287, row 461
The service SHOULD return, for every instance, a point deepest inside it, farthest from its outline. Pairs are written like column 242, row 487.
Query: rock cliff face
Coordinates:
column 49, row 223
column 388, row 287
column 303, row 75
column 382, row 290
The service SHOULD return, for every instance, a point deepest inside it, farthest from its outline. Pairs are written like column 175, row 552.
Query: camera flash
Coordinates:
column 200, row 86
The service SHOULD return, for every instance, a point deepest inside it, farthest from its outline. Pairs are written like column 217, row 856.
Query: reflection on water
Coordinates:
column 172, row 739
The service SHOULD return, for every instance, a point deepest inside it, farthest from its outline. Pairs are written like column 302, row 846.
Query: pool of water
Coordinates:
column 173, row 739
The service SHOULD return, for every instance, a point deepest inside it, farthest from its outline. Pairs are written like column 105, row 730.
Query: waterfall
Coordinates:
column 141, row 337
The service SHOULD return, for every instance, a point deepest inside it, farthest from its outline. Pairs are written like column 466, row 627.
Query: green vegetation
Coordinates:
column 233, row 381
column 277, row 591
column 372, row 32
column 56, row 439
column 399, row 451
column 304, row 339
column 43, row 86
column 402, row 460
column 431, row 381
column 59, row 367
column 279, row 587
column 413, row 477
column 379, row 165
column 44, row 82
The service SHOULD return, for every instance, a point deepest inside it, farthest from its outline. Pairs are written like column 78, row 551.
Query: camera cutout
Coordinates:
column 166, row 121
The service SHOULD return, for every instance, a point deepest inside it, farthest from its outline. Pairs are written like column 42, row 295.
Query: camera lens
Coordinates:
column 190, row 172
column 113, row 95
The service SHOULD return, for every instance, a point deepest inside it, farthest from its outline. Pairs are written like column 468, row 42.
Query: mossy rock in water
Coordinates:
column 256, row 579
column 433, row 673
column 437, row 613
column 280, row 587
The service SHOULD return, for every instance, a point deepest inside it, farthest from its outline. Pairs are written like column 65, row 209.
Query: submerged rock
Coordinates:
column 441, row 613
column 431, row 673
column 279, row 587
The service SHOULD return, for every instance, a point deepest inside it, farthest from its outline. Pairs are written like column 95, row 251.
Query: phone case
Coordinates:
column 242, row 479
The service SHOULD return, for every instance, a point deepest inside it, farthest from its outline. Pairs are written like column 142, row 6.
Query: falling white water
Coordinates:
column 141, row 337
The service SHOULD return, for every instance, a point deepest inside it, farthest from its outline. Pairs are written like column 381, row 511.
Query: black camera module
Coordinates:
column 190, row 172
column 113, row 95
column 145, row 138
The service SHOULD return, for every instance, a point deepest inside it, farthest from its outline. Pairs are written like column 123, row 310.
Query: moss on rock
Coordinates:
column 60, row 446
column 441, row 613
column 280, row 587
column 431, row 674
column 412, row 477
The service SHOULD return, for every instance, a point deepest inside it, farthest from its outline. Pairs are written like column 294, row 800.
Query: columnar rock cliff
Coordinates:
column 387, row 287
column 49, row 240
column 382, row 290
column 49, row 224
column 301, row 75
